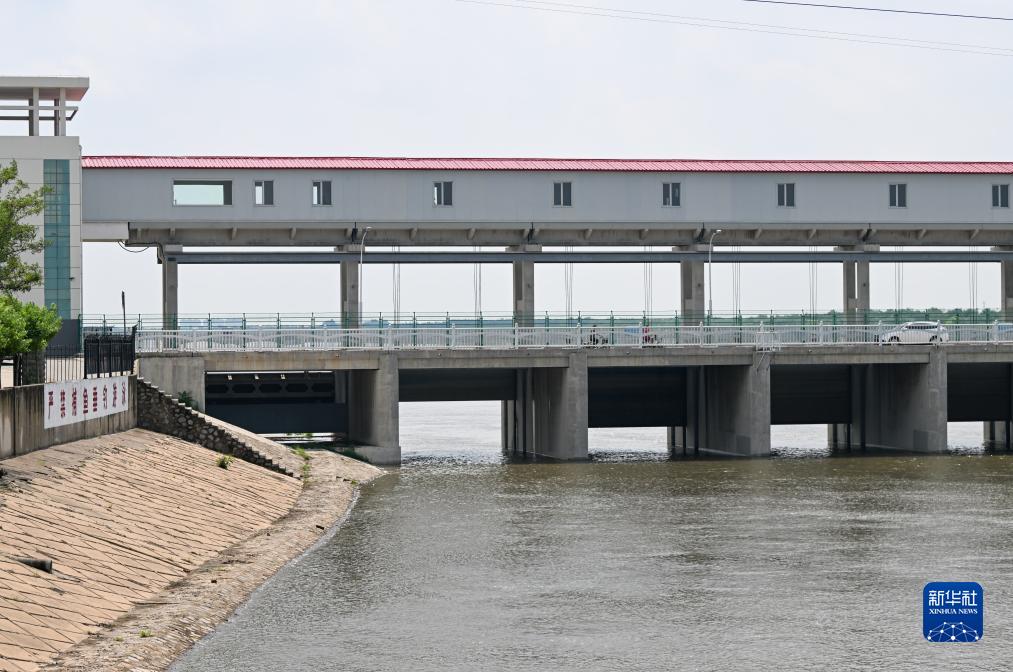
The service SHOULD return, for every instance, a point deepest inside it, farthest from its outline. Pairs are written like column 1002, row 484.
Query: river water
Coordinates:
column 459, row 561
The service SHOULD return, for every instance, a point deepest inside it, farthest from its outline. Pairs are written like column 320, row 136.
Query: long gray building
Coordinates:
column 341, row 203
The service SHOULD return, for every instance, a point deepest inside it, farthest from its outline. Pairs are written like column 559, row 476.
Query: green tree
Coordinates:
column 18, row 237
column 41, row 325
column 13, row 327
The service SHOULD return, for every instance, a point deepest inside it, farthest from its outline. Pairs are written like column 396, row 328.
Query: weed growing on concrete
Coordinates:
column 145, row 632
column 301, row 452
column 225, row 460
column 187, row 400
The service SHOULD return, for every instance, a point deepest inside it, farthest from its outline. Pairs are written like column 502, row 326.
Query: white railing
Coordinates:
column 500, row 338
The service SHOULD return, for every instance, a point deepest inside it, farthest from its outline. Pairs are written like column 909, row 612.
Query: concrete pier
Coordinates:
column 350, row 299
column 857, row 300
column 170, row 286
column 373, row 417
column 549, row 416
column 693, row 304
column 524, row 286
column 904, row 406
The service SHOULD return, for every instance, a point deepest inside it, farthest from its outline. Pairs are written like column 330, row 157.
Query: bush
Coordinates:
column 25, row 327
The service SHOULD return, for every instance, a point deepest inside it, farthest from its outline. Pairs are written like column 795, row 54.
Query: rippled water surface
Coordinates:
column 631, row 562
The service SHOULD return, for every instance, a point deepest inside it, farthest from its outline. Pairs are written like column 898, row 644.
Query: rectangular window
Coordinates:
column 562, row 194
column 898, row 195
column 671, row 194
column 1000, row 195
column 321, row 192
column 263, row 192
column 786, row 195
column 443, row 193
column 202, row 192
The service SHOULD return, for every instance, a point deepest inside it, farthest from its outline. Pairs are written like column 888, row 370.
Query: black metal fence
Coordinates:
column 100, row 355
column 109, row 354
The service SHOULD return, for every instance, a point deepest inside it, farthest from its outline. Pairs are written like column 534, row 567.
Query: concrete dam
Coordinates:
column 714, row 399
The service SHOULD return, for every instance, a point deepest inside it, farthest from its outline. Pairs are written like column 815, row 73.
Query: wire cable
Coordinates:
column 739, row 26
column 883, row 9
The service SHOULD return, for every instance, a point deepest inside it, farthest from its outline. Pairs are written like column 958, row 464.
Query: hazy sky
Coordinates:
column 448, row 78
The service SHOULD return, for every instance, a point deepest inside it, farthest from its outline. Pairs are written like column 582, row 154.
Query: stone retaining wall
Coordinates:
column 158, row 412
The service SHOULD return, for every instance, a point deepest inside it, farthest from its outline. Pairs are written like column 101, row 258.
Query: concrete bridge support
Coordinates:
column 728, row 408
column 693, row 306
column 1006, row 287
column 524, row 286
column 903, row 406
column 373, row 418
column 548, row 419
column 856, row 285
column 170, row 286
column 175, row 375
column 350, row 301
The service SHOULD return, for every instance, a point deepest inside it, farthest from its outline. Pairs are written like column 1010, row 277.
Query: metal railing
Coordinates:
column 242, row 321
column 499, row 338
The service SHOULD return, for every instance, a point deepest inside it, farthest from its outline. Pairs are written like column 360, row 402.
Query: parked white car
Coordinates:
column 916, row 332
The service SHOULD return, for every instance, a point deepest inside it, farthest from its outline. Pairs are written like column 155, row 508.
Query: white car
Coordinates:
column 916, row 332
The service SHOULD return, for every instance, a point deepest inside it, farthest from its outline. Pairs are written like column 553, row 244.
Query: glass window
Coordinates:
column 321, row 192
column 443, row 193
column 671, row 194
column 562, row 194
column 202, row 192
column 1000, row 195
column 263, row 192
column 786, row 195
column 898, row 195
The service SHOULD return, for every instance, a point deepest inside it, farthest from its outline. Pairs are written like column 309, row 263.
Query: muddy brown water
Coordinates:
column 459, row 561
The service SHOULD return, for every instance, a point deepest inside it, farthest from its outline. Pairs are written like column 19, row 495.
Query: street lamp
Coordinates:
column 710, row 275
column 362, row 274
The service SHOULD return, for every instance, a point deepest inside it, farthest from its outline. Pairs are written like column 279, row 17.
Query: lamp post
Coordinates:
column 710, row 275
column 362, row 274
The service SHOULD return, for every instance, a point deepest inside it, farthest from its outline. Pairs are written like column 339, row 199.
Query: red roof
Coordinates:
column 599, row 165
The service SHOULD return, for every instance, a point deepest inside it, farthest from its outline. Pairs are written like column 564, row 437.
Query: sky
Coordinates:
column 452, row 78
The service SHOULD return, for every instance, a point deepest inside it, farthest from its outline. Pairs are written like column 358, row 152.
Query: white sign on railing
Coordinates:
column 79, row 400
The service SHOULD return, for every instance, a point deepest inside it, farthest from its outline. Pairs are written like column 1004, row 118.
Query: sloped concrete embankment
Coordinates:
column 152, row 545
column 121, row 517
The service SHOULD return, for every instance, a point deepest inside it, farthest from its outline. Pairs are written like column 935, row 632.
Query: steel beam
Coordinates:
column 922, row 257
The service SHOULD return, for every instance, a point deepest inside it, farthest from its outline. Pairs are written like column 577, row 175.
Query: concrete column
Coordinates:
column 350, row 299
column 170, row 286
column 996, row 435
column 524, row 286
column 857, row 297
column 33, row 113
column 560, row 399
column 373, row 418
column 548, row 416
column 518, row 418
column 1006, row 287
column 685, row 439
column 60, row 114
column 905, row 406
column 736, row 409
column 693, row 306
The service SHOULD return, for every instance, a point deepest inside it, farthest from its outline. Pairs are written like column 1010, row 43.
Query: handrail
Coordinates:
column 457, row 337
